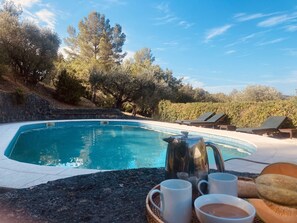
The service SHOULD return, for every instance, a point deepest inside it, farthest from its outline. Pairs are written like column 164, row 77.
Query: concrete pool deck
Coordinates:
column 16, row 174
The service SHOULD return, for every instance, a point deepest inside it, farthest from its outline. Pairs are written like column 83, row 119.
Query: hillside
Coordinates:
column 8, row 84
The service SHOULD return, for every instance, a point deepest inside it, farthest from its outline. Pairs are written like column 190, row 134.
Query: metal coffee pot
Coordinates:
column 187, row 158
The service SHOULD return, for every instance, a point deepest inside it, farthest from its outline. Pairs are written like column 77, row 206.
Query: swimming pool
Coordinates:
column 104, row 145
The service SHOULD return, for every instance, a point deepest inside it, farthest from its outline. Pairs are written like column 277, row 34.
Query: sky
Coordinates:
column 217, row 45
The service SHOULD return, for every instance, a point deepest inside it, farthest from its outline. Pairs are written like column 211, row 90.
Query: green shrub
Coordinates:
column 68, row 88
column 241, row 114
column 3, row 69
column 19, row 96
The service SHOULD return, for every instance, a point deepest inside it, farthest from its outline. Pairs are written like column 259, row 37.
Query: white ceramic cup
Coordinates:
column 175, row 200
column 223, row 199
column 220, row 183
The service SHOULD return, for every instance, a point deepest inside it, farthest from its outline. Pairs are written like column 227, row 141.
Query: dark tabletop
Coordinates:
column 114, row 196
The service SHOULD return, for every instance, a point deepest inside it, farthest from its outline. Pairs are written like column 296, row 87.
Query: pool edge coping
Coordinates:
column 30, row 174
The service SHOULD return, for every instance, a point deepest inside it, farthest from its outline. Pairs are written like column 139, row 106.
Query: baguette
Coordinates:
column 247, row 188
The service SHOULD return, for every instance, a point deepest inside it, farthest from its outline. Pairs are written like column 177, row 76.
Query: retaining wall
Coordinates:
column 31, row 107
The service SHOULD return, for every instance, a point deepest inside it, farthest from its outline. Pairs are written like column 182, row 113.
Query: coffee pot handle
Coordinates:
column 217, row 155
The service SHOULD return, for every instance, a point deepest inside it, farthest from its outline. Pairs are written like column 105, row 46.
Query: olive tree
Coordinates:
column 186, row 93
column 29, row 49
column 120, row 84
column 256, row 93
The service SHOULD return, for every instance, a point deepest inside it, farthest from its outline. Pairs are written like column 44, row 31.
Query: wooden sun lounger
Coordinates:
column 201, row 118
column 290, row 131
column 271, row 125
column 212, row 122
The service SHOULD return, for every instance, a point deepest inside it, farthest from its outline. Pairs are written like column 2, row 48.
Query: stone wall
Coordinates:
column 30, row 107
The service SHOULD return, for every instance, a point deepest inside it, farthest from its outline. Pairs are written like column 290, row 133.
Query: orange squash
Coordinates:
column 268, row 211
column 273, row 213
column 287, row 169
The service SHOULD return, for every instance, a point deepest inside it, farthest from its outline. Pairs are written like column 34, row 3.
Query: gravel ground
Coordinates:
column 115, row 196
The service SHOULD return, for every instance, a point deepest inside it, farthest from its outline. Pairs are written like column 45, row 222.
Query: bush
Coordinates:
column 241, row 114
column 19, row 96
column 3, row 69
column 68, row 88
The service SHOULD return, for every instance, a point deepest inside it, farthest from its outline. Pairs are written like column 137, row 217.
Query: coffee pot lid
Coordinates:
column 183, row 138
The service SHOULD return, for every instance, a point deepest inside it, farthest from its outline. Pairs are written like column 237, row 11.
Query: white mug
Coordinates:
column 220, row 183
column 175, row 200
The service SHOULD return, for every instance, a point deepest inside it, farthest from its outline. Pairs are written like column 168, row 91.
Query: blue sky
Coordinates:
column 217, row 45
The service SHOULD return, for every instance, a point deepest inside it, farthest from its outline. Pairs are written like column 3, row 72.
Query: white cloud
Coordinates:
column 62, row 51
column 290, row 51
column 43, row 15
column 185, row 78
column 276, row 20
column 185, row 24
column 191, row 81
column 197, row 84
column 117, row 2
column 239, row 15
column 168, row 17
column 291, row 28
column 47, row 17
column 247, row 38
column 106, row 4
column 230, row 52
column 243, row 17
column 271, row 42
column 159, row 49
column 163, row 7
column 130, row 55
column 241, row 40
column 32, row 18
column 216, row 32
column 26, row 3
column 27, row 15
column 171, row 43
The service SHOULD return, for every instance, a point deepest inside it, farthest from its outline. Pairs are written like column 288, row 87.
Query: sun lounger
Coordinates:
column 290, row 131
column 271, row 125
column 201, row 118
column 212, row 121
column 227, row 127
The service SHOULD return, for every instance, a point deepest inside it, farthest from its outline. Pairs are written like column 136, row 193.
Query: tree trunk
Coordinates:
column 118, row 103
column 93, row 98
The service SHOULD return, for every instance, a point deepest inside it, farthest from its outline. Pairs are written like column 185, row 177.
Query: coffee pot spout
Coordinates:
column 169, row 139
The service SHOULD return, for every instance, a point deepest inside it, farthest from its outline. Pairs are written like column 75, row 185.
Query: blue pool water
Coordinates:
column 100, row 146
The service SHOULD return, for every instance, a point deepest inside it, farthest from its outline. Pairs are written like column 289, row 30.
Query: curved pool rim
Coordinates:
column 243, row 147
column 265, row 150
